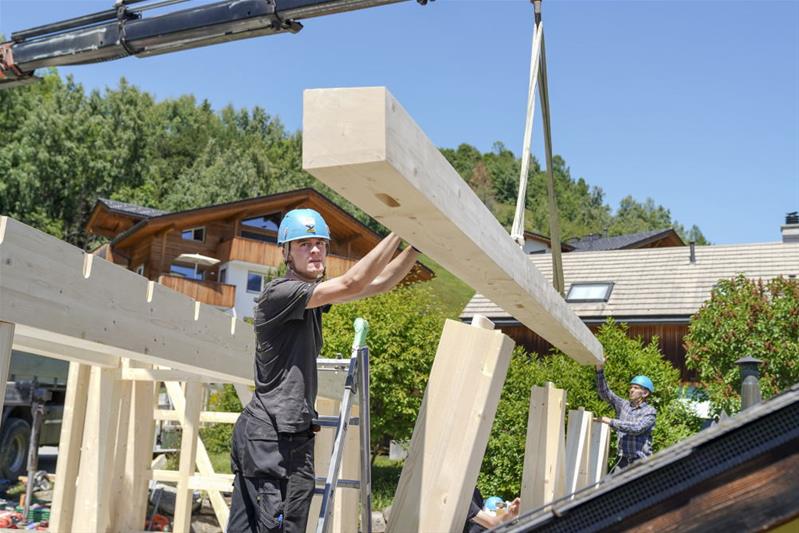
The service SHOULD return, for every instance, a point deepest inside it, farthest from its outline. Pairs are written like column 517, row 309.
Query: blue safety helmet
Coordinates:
column 302, row 224
column 492, row 503
column 643, row 381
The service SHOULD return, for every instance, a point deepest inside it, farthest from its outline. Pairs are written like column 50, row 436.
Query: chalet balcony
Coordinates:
column 207, row 292
column 266, row 253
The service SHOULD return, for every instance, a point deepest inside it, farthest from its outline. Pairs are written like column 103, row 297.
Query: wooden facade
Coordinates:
column 669, row 336
column 151, row 245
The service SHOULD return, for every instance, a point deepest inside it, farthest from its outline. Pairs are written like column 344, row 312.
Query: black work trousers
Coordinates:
column 274, row 478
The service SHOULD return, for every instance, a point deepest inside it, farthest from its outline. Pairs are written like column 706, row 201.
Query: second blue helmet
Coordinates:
column 302, row 224
column 643, row 381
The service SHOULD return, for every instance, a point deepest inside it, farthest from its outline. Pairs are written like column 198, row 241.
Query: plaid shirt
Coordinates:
column 632, row 424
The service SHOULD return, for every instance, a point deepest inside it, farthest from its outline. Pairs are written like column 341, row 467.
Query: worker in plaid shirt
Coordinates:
column 634, row 420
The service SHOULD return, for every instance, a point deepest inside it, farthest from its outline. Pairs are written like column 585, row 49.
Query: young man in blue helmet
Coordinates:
column 635, row 418
column 272, row 453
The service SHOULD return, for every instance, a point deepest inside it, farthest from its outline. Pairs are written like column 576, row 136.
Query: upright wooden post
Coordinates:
column 92, row 509
column 190, row 424
column 598, row 454
column 544, row 478
column 6, row 341
column 452, row 430
column 204, row 465
column 69, row 445
column 131, row 506
column 578, row 438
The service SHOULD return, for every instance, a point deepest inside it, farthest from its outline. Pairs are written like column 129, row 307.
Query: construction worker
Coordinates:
column 272, row 451
column 478, row 520
column 634, row 421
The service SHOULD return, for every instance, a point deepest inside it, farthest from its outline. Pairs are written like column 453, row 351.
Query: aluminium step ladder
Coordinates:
column 357, row 382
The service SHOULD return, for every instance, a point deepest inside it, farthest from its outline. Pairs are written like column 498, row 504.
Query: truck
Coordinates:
column 30, row 376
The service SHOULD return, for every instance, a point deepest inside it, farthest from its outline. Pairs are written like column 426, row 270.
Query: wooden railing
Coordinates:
column 207, row 292
column 266, row 253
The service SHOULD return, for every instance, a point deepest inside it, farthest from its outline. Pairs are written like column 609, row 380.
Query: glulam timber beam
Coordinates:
column 364, row 145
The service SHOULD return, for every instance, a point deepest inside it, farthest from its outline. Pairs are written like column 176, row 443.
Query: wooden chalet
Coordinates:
column 655, row 291
column 220, row 254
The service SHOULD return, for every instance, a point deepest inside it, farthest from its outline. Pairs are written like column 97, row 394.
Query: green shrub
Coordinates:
column 404, row 329
column 218, row 437
column 745, row 317
column 625, row 357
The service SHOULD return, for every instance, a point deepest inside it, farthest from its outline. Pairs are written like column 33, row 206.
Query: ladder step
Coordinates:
column 343, row 483
column 332, row 421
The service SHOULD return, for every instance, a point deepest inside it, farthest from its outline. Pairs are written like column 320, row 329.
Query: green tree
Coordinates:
column 625, row 357
column 745, row 317
column 404, row 329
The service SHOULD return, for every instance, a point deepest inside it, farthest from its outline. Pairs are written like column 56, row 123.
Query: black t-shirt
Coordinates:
column 288, row 341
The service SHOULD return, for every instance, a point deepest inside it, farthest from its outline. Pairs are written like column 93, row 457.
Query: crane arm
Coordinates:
column 123, row 31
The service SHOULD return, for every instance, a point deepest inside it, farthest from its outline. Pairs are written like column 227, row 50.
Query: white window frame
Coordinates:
column 247, row 282
column 608, row 286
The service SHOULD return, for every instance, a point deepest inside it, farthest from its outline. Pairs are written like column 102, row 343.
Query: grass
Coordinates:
column 454, row 293
column 385, row 476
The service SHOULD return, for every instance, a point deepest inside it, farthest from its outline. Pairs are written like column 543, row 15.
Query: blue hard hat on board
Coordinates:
column 492, row 503
column 302, row 224
column 643, row 381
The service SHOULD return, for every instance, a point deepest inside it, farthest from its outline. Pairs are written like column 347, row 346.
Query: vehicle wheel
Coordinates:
column 16, row 434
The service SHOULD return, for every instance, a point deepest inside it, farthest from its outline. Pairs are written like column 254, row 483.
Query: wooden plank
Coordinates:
column 132, row 502
column 452, row 430
column 578, row 438
column 49, row 344
column 190, row 426
column 50, row 285
column 345, row 504
column 119, row 497
column 203, row 461
column 149, row 374
column 323, row 448
column 69, row 447
column 210, row 417
column 598, row 454
column 92, row 509
column 544, row 477
column 6, row 341
column 363, row 144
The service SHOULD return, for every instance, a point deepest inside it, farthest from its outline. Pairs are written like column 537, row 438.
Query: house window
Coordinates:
column 262, row 228
column 590, row 292
column 222, row 275
column 255, row 282
column 140, row 270
column 193, row 234
column 185, row 271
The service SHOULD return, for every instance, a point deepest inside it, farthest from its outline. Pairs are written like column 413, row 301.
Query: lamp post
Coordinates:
column 750, row 387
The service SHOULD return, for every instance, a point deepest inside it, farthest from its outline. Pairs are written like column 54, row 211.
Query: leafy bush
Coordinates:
column 404, row 329
column 625, row 357
column 745, row 317
column 218, row 437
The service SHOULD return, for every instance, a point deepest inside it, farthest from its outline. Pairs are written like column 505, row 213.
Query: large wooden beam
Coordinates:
column 451, row 431
column 578, row 441
column 363, row 144
column 53, row 287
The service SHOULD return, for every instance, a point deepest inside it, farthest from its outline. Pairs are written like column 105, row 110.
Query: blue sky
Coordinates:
column 692, row 103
